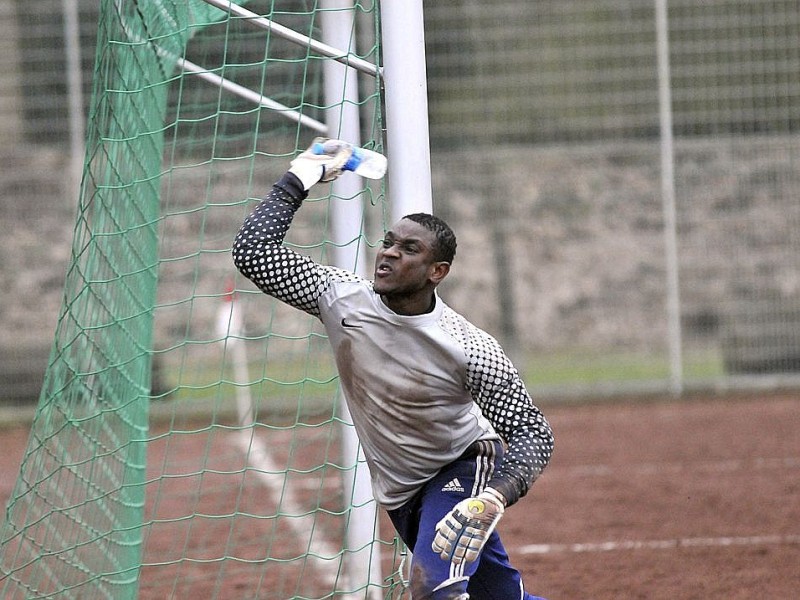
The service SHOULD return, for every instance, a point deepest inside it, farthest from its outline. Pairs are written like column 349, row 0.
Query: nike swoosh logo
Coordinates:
column 350, row 325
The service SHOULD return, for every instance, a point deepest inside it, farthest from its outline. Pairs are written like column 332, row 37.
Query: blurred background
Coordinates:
column 622, row 176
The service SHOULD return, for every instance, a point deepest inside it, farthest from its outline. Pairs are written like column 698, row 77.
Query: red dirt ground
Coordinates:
column 693, row 474
column 689, row 499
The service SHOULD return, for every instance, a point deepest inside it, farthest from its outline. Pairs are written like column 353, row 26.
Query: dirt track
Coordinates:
column 691, row 499
column 696, row 499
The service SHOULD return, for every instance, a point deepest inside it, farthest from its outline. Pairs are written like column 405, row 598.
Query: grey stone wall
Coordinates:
column 559, row 247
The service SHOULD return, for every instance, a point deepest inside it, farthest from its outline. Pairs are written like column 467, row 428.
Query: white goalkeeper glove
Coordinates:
column 321, row 162
column 462, row 533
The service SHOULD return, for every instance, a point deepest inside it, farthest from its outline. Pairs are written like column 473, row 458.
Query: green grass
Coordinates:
column 304, row 387
column 291, row 387
column 585, row 367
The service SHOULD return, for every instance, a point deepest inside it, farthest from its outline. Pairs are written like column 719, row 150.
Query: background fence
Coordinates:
column 552, row 161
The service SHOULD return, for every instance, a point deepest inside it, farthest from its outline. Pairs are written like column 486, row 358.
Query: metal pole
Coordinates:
column 250, row 95
column 406, row 99
column 362, row 566
column 77, row 124
column 668, row 200
column 406, row 107
column 294, row 37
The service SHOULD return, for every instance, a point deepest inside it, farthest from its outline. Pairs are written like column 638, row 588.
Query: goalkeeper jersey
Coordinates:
column 421, row 389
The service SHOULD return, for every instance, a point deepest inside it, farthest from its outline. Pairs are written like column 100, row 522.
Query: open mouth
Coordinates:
column 383, row 269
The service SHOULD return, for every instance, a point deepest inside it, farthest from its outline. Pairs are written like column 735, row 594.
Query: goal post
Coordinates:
column 170, row 456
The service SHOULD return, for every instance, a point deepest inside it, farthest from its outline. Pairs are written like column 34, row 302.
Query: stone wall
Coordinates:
column 559, row 247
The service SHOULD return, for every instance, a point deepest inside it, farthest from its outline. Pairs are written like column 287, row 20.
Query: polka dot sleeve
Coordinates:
column 498, row 390
column 259, row 253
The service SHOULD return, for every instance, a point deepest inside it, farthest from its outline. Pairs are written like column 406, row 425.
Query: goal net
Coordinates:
column 190, row 438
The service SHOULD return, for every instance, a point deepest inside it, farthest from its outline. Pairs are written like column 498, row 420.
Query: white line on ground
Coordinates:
column 302, row 521
column 698, row 542
column 322, row 554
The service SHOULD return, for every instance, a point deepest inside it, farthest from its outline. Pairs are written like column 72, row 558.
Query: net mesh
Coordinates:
column 189, row 438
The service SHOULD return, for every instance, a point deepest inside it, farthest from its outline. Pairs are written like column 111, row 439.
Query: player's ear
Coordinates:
column 439, row 271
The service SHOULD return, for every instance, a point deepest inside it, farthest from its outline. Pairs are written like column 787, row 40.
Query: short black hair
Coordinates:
column 445, row 250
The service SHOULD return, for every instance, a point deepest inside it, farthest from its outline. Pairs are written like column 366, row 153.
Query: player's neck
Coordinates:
column 410, row 306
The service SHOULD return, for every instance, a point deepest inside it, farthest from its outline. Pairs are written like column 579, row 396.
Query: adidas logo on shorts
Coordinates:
column 454, row 485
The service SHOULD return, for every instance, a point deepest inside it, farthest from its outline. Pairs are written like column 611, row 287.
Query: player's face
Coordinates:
column 405, row 270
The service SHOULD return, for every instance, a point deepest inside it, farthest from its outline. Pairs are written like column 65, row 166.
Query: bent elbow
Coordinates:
column 241, row 254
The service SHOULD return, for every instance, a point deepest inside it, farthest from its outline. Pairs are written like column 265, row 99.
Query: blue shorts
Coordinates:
column 491, row 577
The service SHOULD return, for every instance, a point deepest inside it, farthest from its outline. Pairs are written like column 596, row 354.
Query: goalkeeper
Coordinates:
column 448, row 430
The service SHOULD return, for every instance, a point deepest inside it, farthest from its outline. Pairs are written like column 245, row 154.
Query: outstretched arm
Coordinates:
column 258, row 250
column 259, row 253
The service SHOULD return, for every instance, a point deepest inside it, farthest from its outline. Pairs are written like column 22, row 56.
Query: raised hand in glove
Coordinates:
column 323, row 161
column 462, row 533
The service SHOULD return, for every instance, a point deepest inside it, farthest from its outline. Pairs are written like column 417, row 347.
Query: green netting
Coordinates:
column 176, row 452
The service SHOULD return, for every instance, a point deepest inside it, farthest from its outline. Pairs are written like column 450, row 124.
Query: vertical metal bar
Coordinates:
column 362, row 567
column 406, row 98
column 668, row 200
column 77, row 125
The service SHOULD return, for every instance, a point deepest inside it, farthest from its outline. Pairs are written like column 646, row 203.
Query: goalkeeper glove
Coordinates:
column 462, row 533
column 321, row 162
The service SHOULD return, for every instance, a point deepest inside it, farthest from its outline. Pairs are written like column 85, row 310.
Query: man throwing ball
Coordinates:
column 450, row 434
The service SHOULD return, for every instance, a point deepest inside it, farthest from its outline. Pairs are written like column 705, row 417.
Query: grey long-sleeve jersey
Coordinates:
column 421, row 389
